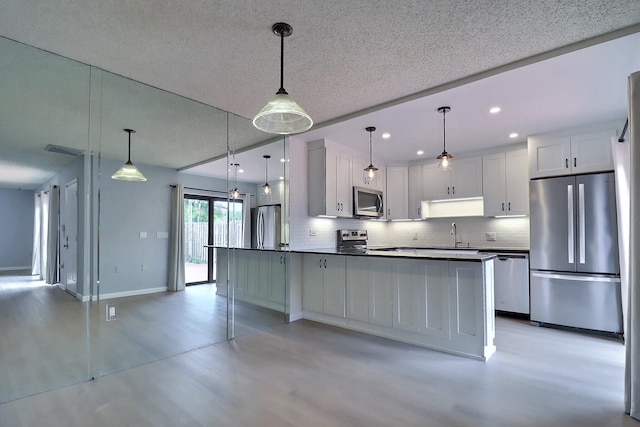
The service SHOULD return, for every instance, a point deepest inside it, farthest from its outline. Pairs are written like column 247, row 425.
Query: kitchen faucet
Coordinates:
column 454, row 233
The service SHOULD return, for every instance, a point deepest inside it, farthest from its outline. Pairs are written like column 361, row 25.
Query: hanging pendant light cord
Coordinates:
column 444, row 131
column 370, row 150
column 282, row 90
column 129, row 157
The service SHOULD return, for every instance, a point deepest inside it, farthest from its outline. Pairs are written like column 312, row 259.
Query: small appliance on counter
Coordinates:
column 352, row 241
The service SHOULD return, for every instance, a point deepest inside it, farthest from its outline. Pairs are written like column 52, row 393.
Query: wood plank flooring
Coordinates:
column 308, row 374
column 49, row 339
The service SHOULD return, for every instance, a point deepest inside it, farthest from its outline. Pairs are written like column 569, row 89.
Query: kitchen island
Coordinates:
column 439, row 300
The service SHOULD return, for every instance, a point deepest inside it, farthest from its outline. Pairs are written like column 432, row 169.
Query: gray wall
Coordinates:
column 16, row 228
column 130, row 264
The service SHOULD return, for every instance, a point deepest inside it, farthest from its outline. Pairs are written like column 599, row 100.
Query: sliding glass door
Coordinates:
column 205, row 225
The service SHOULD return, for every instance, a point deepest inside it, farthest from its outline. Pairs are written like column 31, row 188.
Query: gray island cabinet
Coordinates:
column 439, row 302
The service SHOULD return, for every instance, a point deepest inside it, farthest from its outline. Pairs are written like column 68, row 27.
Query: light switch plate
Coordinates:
column 491, row 236
column 312, row 233
column 111, row 312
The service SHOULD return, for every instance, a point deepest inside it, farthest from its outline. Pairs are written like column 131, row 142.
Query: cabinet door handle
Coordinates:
column 448, row 190
column 419, row 211
column 337, row 206
column 575, row 162
column 320, row 263
column 566, row 163
column 325, row 263
column 388, row 212
column 509, row 206
column 502, row 206
column 453, row 190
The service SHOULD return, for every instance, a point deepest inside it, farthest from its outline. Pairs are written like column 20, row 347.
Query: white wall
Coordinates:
column 510, row 232
column 16, row 228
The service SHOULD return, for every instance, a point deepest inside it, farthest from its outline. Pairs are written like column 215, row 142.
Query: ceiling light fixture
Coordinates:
column 494, row 110
column 234, row 193
column 266, row 188
column 371, row 170
column 420, row 152
column 128, row 171
column 513, row 135
column 444, row 159
column 386, row 135
column 282, row 115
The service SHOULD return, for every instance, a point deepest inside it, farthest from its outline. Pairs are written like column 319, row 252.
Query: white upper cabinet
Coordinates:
column 415, row 192
column 505, row 183
column 397, row 194
column 329, row 181
column 551, row 155
column 464, row 179
column 361, row 178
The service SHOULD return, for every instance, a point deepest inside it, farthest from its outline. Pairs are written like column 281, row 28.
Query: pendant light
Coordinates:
column 266, row 188
column 371, row 170
column 444, row 159
column 282, row 115
column 128, row 171
column 234, row 193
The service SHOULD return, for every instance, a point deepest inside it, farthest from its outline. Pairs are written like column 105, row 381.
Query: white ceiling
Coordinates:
column 348, row 58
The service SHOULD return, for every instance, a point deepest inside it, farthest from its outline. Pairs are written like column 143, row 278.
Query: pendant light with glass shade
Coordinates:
column 282, row 115
column 444, row 159
column 234, row 193
column 128, row 171
column 370, row 170
column 266, row 188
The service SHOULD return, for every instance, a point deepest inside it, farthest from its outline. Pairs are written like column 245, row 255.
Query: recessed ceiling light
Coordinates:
column 494, row 110
column 420, row 152
column 513, row 135
column 386, row 135
column 240, row 170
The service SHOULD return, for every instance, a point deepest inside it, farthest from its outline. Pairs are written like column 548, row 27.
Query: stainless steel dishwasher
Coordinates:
column 511, row 282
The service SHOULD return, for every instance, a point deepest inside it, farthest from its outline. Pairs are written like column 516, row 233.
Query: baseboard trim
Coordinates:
column 26, row 267
column 129, row 293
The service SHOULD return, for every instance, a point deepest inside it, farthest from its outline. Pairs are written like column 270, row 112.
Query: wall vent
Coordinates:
column 63, row 150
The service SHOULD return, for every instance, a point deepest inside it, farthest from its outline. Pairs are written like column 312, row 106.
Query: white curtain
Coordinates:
column 37, row 219
column 623, row 195
column 632, row 336
column 51, row 271
column 176, row 243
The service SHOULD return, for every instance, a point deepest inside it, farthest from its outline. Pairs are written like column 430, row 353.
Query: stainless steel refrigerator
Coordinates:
column 575, row 271
column 266, row 227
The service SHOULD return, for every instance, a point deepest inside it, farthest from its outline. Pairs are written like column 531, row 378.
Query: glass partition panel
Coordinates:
column 150, row 320
column 44, row 299
column 257, row 268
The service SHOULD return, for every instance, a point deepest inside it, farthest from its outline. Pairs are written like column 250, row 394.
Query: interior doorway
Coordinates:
column 205, row 222
column 69, row 229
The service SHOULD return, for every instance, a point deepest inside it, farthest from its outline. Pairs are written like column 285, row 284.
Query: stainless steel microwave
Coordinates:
column 367, row 202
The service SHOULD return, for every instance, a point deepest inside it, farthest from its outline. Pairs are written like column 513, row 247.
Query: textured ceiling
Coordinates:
column 343, row 56
column 344, row 60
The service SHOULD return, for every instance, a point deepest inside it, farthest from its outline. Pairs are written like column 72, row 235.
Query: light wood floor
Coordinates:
column 308, row 374
column 49, row 339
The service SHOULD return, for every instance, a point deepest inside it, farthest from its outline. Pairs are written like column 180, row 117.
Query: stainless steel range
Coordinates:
column 352, row 241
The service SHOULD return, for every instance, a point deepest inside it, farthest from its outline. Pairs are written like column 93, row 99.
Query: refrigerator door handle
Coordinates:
column 575, row 277
column 260, row 230
column 581, row 225
column 570, row 227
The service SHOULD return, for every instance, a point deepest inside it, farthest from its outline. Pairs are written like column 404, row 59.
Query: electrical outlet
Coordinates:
column 144, row 266
column 312, row 233
column 415, row 236
column 117, row 269
column 111, row 312
column 490, row 236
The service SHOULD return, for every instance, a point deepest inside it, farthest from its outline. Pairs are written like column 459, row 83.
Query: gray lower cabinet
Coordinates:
column 323, row 284
column 256, row 276
column 442, row 304
column 369, row 290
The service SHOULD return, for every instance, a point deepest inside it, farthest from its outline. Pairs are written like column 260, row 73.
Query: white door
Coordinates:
column 70, row 238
